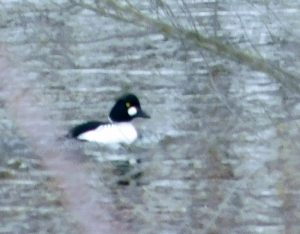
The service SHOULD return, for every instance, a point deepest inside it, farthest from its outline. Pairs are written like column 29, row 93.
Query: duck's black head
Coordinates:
column 126, row 108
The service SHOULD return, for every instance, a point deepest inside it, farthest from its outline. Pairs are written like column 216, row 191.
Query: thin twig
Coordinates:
column 132, row 15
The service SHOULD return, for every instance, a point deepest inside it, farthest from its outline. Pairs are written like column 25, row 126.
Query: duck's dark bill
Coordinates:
column 143, row 114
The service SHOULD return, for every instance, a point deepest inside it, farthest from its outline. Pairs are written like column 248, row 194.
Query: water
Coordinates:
column 219, row 155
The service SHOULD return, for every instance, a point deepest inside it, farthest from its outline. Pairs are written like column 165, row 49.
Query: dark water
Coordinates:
column 219, row 155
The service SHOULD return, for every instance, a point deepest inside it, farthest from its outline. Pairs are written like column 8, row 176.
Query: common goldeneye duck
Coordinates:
column 119, row 129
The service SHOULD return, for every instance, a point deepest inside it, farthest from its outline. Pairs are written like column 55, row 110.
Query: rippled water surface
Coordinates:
column 219, row 154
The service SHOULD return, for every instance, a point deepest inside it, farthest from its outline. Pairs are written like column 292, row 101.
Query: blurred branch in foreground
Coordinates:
column 126, row 12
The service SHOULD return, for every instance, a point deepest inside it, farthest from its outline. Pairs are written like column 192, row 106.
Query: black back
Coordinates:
column 85, row 127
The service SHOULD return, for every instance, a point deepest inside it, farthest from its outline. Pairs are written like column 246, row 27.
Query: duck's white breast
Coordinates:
column 111, row 133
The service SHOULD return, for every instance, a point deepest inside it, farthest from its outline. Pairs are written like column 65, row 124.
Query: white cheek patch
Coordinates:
column 132, row 111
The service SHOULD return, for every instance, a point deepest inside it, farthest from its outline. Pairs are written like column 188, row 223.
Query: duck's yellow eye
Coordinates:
column 127, row 104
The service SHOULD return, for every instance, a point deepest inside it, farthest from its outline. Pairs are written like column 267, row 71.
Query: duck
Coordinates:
column 118, row 128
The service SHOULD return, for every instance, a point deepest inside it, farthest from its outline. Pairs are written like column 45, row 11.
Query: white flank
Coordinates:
column 111, row 133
